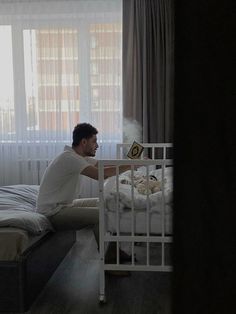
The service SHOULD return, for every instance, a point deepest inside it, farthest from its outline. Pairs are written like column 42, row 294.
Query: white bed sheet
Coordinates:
column 139, row 201
column 15, row 241
column 123, row 192
column 140, row 222
column 18, row 209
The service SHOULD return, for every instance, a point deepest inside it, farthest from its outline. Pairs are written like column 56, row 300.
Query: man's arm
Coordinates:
column 92, row 171
column 96, row 165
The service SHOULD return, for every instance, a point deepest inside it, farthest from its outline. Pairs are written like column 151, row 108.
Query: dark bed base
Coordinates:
column 21, row 281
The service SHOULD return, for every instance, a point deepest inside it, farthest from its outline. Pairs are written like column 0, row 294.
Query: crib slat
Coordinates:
column 148, row 216
column 163, row 214
column 117, row 215
column 101, row 232
column 133, row 213
column 132, row 200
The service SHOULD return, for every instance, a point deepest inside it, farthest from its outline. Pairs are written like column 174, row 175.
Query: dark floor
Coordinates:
column 74, row 287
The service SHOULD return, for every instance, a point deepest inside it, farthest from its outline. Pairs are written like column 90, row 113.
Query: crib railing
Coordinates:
column 151, row 150
column 105, row 237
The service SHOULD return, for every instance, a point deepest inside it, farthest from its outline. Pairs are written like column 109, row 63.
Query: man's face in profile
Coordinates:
column 90, row 146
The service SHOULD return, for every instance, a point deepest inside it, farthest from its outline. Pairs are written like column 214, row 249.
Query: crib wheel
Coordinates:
column 102, row 299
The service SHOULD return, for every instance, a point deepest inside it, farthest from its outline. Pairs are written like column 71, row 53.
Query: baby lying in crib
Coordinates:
column 128, row 191
column 144, row 185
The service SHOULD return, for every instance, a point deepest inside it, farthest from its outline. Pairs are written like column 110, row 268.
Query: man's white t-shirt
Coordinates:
column 60, row 183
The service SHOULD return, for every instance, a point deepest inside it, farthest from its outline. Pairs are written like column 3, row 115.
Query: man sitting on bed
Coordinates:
column 60, row 186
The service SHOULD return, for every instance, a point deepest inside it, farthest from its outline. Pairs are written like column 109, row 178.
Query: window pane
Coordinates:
column 7, row 114
column 105, row 74
column 52, row 79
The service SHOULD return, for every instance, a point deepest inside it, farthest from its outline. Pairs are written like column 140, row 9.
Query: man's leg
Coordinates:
column 90, row 202
column 111, row 252
column 76, row 218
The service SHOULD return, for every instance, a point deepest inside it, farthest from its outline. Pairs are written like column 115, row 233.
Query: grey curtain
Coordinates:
column 148, row 67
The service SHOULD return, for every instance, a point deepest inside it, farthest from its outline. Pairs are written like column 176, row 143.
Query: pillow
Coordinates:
column 34, row 223
column 18, row 209
column 19, row 196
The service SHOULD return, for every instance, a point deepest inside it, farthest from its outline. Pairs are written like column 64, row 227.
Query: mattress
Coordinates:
column 140, row 222
column 15, row 241
column 18, row 209
column 122, row 194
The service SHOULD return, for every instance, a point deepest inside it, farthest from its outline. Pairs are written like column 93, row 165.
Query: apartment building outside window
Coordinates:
column 59, row 76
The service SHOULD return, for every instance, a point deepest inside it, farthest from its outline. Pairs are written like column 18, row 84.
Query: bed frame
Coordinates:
column 21, row 281
column 106, row 237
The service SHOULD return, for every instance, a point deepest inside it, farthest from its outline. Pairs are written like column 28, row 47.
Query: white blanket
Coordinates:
column 125, row 195
column 18, row 209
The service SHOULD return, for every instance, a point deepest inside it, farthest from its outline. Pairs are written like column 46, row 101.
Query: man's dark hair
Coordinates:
column 83, row 130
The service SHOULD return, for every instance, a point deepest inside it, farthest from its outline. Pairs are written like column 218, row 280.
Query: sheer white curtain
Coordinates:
column 60, row 65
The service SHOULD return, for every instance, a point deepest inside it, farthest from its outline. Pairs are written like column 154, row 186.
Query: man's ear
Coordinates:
column 83, row 141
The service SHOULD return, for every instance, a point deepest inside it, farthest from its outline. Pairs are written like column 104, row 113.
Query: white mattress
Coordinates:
column 140, row 222
column 122, row 198
column 18, row 209
column 14, row 242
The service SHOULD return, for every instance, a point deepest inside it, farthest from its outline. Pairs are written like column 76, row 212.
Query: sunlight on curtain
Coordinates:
column 60, row 65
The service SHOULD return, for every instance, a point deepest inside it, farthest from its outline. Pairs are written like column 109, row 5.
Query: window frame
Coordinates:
column 81, row 24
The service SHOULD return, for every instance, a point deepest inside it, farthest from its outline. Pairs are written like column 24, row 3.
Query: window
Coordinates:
column 61, row 72
column 7, row 114
column 60, row 65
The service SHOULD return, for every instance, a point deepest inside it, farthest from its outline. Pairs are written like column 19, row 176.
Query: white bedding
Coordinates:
column 15, row 241
column 122, row 197
column 140, row 222
column 18, row 209
column 160, row 213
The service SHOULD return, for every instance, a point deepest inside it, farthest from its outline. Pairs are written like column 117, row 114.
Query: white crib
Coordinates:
column 124, row 222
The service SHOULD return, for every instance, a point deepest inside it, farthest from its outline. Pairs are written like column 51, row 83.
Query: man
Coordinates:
column 60, row 185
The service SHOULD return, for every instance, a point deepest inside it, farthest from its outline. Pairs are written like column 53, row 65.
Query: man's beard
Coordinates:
column 91, row 154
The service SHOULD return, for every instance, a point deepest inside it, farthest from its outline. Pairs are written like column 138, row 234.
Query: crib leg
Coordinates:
column 102, row 297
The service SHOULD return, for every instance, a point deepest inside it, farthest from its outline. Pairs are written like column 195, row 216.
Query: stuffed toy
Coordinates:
column 150, row 186
column 140, row 182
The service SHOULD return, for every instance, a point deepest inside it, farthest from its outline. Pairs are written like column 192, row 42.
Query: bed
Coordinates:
column 30, row 250
column 137, row 217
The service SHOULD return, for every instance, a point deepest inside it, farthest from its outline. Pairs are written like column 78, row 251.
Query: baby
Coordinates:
column 143, row 184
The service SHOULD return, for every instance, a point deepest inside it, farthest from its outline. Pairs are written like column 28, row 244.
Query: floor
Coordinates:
column 74, row 287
